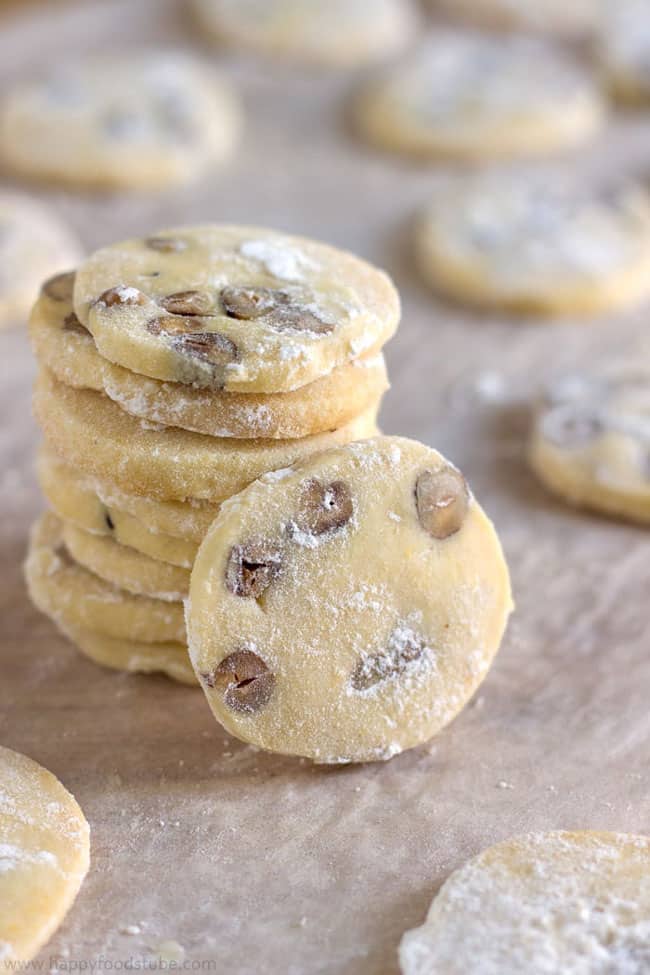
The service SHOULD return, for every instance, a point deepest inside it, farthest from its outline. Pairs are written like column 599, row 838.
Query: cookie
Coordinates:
column 170, row 659
column 141, row 121
column 34, row 244
column 125, row 567
column 96, row 505
column 75, row 598
column 100, row 440
column 44, row 856
column 576, row 19
column 472, row 96
column 62, row 343
column 623, row 50
column 526, row 244
column 339, row 33
column 544, row 902
column 347, row 608
column 235, row 308
column 590, row 441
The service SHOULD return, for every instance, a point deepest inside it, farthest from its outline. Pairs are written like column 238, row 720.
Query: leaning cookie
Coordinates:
column 590, row 441
column 532, row 245
column 347, row 608
column 34, row 244
column 339, row 33
column 139, row 121
column 575, row 19
column 544, row 902
column 66, row 347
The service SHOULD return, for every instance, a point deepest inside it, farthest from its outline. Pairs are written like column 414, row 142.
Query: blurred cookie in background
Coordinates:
column 531, row 245
column 590, row 441
column 143, row 121
column 568, row 18
column 339, row 33
column 34, row 244
column 624, row 49
column 466, row 95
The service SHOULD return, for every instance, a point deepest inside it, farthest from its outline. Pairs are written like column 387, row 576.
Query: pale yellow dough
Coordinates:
column 76, row 599
column 62, row 344
column 44, row 857
column 75, row 501
column 541, row 904
column 339, row 33
column 34, row 244
column 472, row 96
column 142, row 121
column 237, row 308
column 590, row 440
column 532, row 245
column 86, row 500
column 125, row 567
column 100, row 440
column 568, row 18
column 623, row 49
column 325, row 620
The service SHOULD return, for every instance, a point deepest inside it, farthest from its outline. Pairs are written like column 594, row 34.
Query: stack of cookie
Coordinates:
column 175, row 370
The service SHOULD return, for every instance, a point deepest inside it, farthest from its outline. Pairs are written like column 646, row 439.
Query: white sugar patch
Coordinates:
column 280, row 260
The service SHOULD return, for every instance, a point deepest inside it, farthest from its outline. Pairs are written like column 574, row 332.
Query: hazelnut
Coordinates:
column 279, row 309
column 442, row 500
column 324, row 507
column 187, row 303
column 371, row 670
column 121, row 295
column 572, row 427
column 60, row 287
column 166, row 245
column 252, row 567
column 244, row 680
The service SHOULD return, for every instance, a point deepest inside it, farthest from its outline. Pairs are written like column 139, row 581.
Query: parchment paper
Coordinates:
column 258, row 864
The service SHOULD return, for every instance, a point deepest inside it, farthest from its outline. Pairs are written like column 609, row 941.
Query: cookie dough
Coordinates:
column 590, row 440
column 170, row 659
column 89, row 501
column 124, row 567
column 339, row 33
column 100, row 440
column 34, row 244
column 623, row 49
column 235, row 308
column 347, row 608
column 546, row 902
column 140, row 121
column 44, row 857
column 573, row 19
column 62, row 343
column 529, row 245
column 471, row 96
column 75, row 598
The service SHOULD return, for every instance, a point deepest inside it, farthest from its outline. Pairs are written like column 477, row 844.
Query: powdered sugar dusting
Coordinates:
column 281, row 260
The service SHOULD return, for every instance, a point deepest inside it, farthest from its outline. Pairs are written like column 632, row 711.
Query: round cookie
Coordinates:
column 235, row 308
column 62, row 343
column 545, row 902
column 163, row 462
column 590, row 441
column 88, row 502
column 74, row 597
column 44, row 856
column 34, row 244
column 530, row 245
column 76, row 502
column 472, row 96
column 141, row 121
column 170, row 659
column 575, row 19
column 125, row 567
column 347, row 608
column 339, row 33
column 623, row 50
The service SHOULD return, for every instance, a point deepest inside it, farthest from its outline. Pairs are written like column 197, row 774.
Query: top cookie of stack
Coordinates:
column 175, row 370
